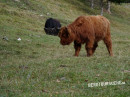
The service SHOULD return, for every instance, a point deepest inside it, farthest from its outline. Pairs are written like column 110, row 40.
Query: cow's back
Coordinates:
column 90, row 27
column 101, row 25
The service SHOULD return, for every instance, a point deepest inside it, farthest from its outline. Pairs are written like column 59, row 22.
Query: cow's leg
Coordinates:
column 108, row 42
column 89, row 48
column 77, row 47
column 94, row 47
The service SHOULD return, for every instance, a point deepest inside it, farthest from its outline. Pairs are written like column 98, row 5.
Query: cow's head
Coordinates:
column 66, row 36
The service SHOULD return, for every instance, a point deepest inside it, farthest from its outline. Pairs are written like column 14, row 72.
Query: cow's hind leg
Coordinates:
column 108, row 43
column 77, row 47
column 94, row 47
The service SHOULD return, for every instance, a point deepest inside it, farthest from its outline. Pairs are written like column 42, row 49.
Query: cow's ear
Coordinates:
column 65, row 32
column 62, row 32
column 69, row 30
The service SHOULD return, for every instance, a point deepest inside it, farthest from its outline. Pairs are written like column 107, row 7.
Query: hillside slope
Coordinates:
column 39, row 66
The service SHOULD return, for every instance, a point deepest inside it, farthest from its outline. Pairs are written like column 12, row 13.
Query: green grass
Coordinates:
column 38, row 66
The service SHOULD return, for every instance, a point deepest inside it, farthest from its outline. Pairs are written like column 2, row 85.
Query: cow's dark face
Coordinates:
column 65, row 36
column 52, row 31
column 52, row 27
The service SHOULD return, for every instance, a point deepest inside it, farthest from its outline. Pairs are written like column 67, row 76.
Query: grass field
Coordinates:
column 38, row 66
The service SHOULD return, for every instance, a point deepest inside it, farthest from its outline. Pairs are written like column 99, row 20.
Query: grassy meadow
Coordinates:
column 38, row 66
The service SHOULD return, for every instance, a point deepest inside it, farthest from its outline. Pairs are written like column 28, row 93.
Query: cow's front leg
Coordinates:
column 95, row 46
column 77, row 47
column 89, row 48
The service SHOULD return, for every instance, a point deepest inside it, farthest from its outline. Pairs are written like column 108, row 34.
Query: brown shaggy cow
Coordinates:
column 89, row 30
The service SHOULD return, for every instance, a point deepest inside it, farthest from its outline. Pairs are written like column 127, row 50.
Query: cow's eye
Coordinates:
column 64, row 35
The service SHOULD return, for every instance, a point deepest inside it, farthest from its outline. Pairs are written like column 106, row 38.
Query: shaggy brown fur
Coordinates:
column 89, row 30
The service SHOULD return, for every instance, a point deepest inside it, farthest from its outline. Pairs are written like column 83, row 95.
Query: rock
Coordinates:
column 48, row 13
column 63, row 78
column 17, row 0
column 41, row 15
column 57, row 80
column 19, row 39
column 5, row 38
column 126, row 71
column 43, row 90
column 63, row 66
